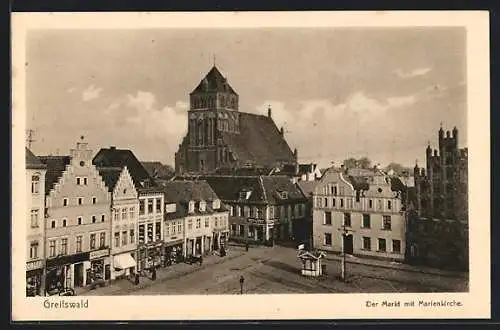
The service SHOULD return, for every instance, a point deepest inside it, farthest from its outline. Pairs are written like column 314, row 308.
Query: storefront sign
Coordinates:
column 98, row 254
column 34, row 265
column 68, row 259
column 257, row 221
column 174, row 242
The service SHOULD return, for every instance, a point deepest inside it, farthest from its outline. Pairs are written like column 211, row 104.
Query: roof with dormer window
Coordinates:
column 184, row 192
column 264, row 188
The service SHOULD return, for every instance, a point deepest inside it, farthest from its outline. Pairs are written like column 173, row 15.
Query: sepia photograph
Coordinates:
column 242, row 160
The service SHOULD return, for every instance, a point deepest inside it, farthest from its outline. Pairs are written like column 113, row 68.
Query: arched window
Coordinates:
column 35, row 184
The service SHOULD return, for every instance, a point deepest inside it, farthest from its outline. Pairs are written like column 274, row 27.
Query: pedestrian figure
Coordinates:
column 242, row 280
column 201, row 260
column 153, row 275
column 246, row 246
column 136, row 279
column 222, row 252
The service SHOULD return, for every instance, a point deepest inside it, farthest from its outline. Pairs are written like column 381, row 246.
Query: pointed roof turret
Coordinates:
column 214, row 81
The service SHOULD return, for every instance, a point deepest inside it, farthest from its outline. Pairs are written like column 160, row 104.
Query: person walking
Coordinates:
column 201, row 260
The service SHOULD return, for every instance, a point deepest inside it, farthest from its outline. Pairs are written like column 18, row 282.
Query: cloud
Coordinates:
column 415, row 73
column 142, row 100
column 92, row 92
column 70, row 90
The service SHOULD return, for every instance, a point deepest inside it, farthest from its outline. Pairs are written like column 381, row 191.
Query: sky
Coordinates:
column 338, row 92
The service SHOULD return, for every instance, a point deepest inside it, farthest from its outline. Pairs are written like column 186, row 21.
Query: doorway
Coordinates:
column 79, row 275
column 348, row 244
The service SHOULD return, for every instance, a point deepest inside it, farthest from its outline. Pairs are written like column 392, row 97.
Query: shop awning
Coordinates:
column 124, row 261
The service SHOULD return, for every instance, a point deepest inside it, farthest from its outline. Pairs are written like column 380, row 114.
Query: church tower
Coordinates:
column 213, row 110
column 223, row 139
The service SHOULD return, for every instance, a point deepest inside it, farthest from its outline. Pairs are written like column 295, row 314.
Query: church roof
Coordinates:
column 118, row 158
column 214, row 81
column 56, row 165
column 259, row 142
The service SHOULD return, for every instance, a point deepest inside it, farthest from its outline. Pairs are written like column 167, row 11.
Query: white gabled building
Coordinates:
column 367, row 205
column 124, row 220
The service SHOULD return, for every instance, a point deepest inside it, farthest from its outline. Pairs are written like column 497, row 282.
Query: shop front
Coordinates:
column 60, row 271
column 207, row 244
column 173, row 251
column 256, row 230
column 99, row 269
column 34, row 277
column 124, row 265
column 150, row 256
column 219, row 239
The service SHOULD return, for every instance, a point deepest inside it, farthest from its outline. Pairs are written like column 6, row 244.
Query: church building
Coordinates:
column 221, row 139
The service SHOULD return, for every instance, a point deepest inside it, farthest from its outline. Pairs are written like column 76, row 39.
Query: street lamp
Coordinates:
column 242, row 280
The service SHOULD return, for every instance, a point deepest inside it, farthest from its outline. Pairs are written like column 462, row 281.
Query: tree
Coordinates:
column 397, row 168
column 350, row 163
column 364, row 162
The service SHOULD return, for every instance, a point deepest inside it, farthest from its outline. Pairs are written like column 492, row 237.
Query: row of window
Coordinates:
column 79, row 220
column 82, row 181
column 124, row 213
column 367, row 244
column 202, row 206
column 287, row 212
column 173, row 228
column 324, row 202
column 79, row 201
column 153, row 206
column 386, row 220
column 223, row 222
column 210, row 102
column 241, row 230
column 149, row 232
column 126, row 237
column 63, row 244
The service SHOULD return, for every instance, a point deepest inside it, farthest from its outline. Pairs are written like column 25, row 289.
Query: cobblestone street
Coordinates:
column 277, row 270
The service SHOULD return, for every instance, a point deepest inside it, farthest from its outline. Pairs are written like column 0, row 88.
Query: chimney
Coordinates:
column 269, row 112
column 282, row 131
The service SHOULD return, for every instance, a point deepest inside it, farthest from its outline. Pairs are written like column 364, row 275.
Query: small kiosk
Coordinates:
column 311, row 262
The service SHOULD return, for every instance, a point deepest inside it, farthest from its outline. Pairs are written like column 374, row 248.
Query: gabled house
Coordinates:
column 124, row 220
column 151, row 205
column 359, row 212
column 77, row 221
